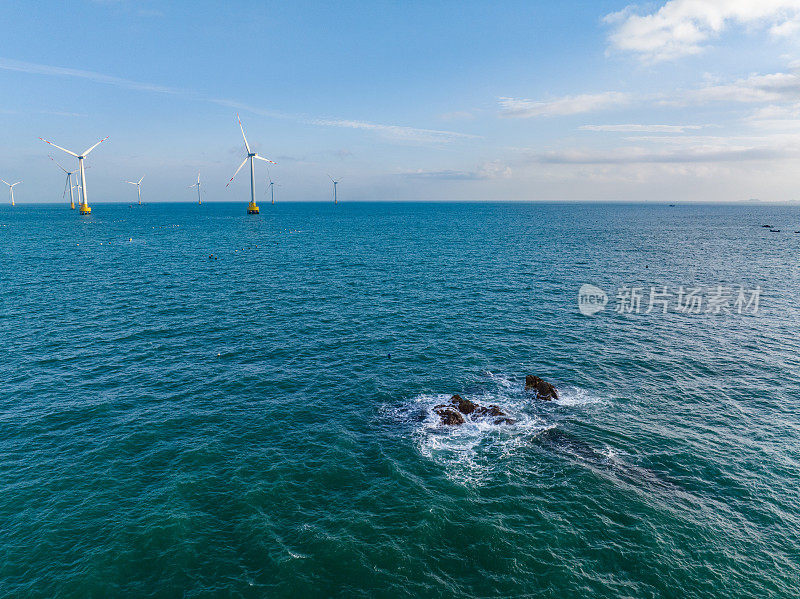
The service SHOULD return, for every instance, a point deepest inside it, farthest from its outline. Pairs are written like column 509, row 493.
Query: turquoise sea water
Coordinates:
column 259, row 425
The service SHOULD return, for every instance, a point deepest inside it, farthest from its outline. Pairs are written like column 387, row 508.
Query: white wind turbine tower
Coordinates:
column 84, row 203
column 197, row 185
column 272, row 185
column 11, row 189
column 251, row 156
column 138, row 185
column 68, row 184
column 335, row 183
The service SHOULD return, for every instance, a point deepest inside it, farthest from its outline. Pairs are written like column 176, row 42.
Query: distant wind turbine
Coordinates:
column 272, row 185
column 197, row 185
column 138, row 185
column 68, row 184
column 251, row 156
column 11, row 189
column 84, row 202
column 335, row 183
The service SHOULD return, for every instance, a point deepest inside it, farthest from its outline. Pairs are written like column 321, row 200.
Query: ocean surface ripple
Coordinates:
column 258, row 423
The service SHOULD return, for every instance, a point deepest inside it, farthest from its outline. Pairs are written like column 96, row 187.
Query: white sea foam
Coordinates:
column 470, row 452
column 575, row 396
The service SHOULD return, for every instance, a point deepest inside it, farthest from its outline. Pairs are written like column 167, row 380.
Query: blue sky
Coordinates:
column 679, row 100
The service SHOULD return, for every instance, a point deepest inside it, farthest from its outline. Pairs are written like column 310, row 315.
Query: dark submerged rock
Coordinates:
column 449, row 416
column 544, row 390
column 490, row 411
column 464, row 406
column 452, row 414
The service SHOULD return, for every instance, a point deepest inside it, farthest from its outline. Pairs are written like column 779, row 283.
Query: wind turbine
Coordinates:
column 67, row 184
column 197, row 185
column 84, row 203
column 251, row 156
column 271, row 186
column 138, row 185
column 11, row 189
column 335, row 183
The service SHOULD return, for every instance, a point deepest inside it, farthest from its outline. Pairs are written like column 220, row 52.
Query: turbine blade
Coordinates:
column 58, row 163
column 140, row 181
column 246, row 145
column 264, row 159
column 237, row 171
column 331, row 178
column 59, row 147
column 86, row 153
column 6, row 182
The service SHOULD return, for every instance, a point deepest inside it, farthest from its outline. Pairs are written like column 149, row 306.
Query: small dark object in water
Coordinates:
column 464, row 406
column 797, row 231
column 505, row 421
column 774, row 230
column 389, row 356
column 211, row 256
column 766, row 226
column 449, row 416
column 544, row 390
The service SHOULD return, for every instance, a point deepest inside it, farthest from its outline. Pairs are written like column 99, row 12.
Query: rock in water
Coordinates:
column 464, row 406
column 453, row 414
column 449, row 416
column 490, row 411
column 544, row 390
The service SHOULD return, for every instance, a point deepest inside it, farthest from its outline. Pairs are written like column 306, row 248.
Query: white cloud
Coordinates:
column 396, row 132
column 683, row 27
column 632, row 128
column 19, row 66
column 719, row 151
column 781, row 118
column 566, row 105
column 392, row 132
column 488, row 170
column 774, row 87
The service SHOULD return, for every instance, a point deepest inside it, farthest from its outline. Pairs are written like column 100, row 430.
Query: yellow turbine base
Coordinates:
column 85, row 210
column 252, row 208
column 72, row 205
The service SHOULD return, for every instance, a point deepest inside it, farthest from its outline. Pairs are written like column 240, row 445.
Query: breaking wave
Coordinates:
column 468, row 453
